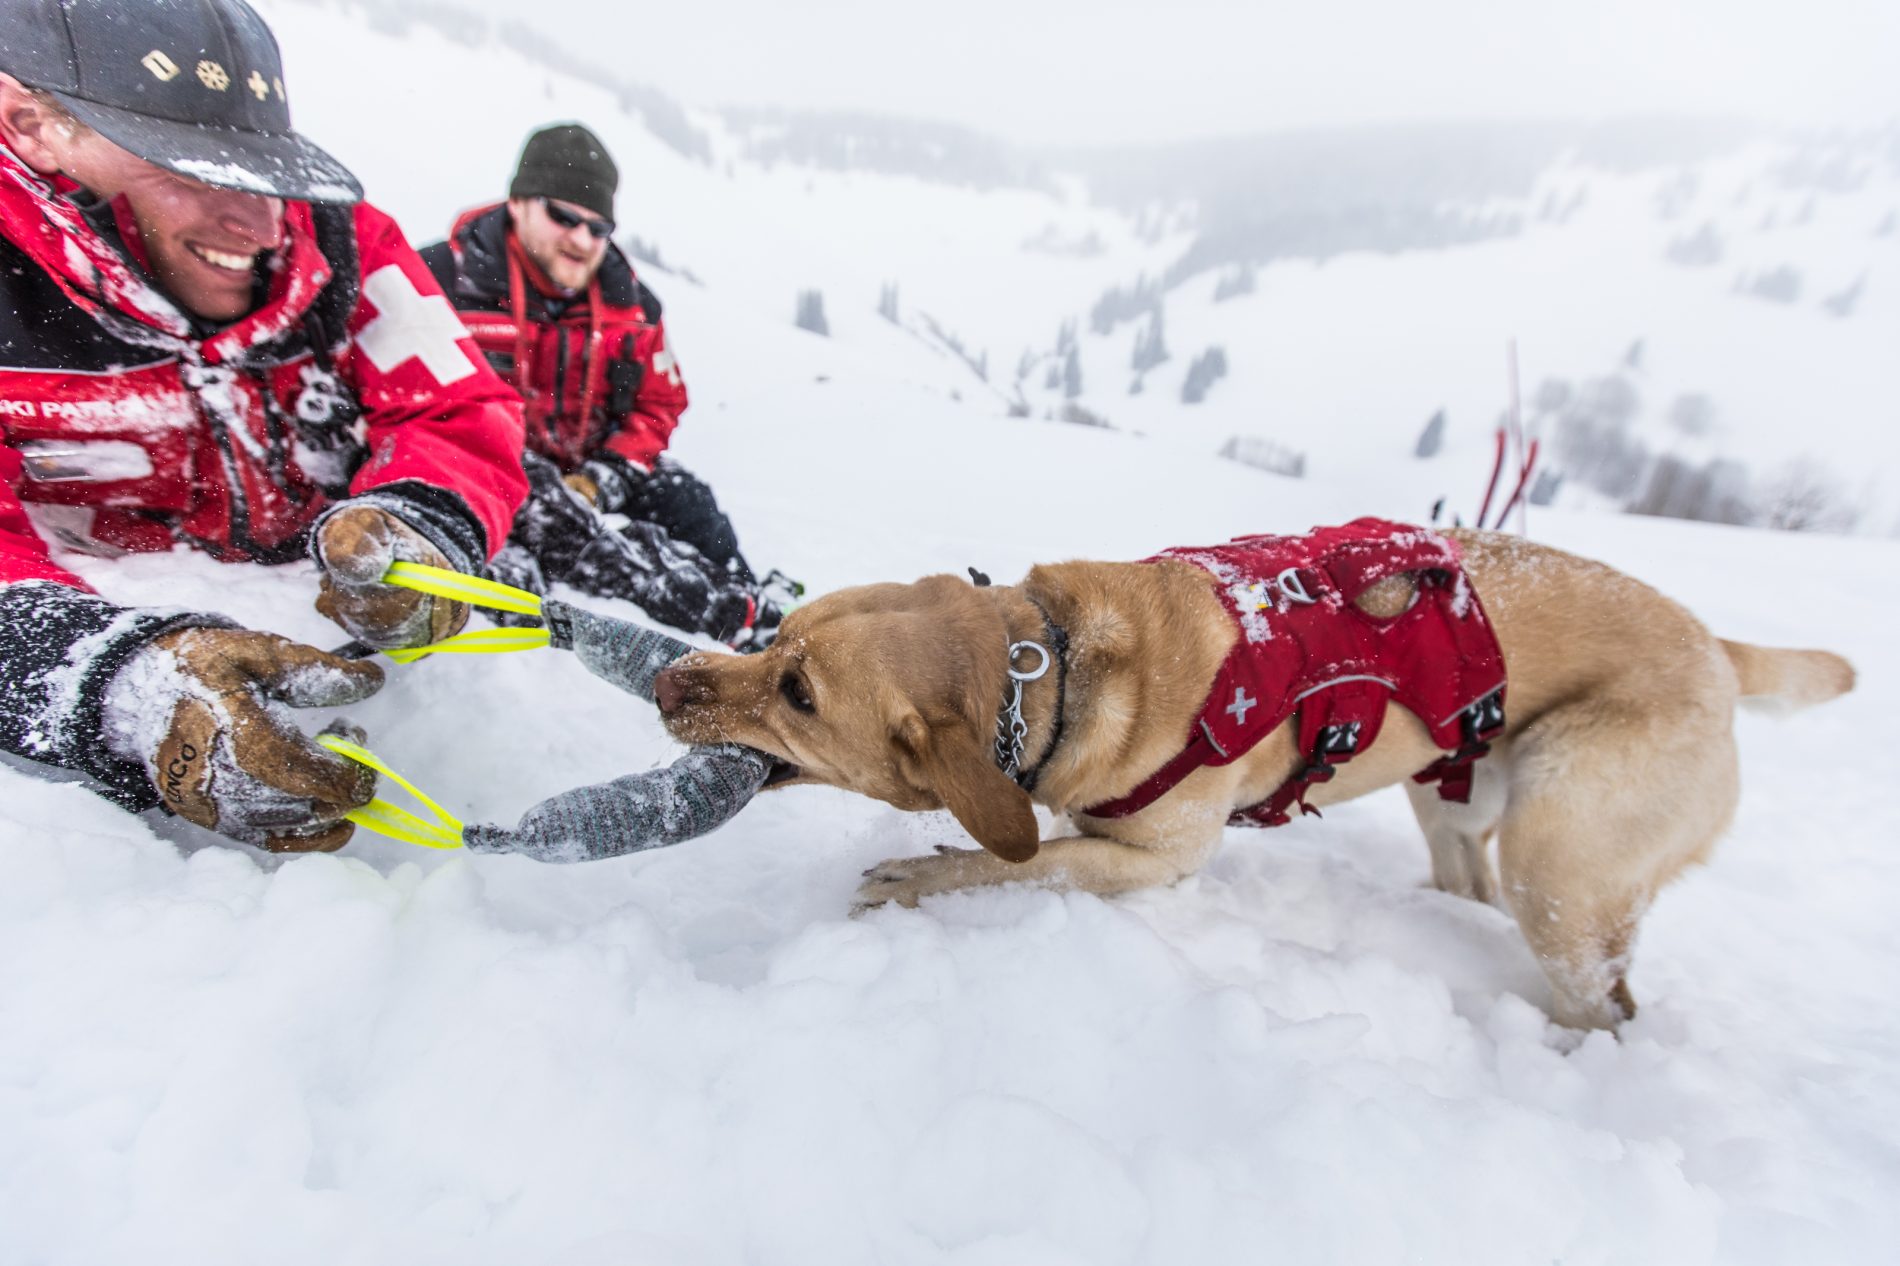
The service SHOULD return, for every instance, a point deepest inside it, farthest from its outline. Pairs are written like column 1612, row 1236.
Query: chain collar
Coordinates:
column 1011, row 729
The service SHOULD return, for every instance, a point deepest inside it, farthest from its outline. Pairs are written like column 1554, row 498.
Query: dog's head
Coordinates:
column 890, row 691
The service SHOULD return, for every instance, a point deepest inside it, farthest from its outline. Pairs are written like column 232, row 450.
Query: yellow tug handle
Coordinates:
column 380, row 815
column 443, row 583
column 475, row 642
column 392, row 820
column 440, row 582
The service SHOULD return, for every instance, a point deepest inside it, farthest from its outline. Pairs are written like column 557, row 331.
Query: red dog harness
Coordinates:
column 1304, row 647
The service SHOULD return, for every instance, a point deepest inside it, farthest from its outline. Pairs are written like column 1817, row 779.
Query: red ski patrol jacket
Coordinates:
column 128, row 425
column 593, row 370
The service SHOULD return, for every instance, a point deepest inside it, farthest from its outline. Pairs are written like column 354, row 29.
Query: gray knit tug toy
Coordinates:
column 698, row 792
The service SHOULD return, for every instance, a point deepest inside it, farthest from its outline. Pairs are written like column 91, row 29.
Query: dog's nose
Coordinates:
column 668, row 691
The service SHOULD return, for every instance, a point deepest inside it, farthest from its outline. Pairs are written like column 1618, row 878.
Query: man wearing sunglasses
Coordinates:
column 561, row 316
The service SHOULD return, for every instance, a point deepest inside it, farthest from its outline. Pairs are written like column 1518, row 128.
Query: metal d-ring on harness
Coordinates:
column 1011, row 729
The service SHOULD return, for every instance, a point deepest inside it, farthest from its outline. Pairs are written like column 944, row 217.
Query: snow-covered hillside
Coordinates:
column 1303, row 1054
column 1731, row 304
column 1742, row 308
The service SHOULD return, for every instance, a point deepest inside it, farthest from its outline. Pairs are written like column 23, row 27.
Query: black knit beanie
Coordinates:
column 567, row 162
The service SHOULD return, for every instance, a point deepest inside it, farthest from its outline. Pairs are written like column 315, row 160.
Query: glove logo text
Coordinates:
column 178, row 771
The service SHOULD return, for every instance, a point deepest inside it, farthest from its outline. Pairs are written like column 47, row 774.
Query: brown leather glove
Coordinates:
column 582, row 484
column 204, row 710
column 356, row 545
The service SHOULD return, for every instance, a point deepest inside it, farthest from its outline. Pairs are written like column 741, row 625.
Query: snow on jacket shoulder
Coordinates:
column 594, row 371
column 131, row 426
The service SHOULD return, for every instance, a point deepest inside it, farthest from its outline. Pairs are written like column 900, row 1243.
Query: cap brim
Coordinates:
column 273, row 164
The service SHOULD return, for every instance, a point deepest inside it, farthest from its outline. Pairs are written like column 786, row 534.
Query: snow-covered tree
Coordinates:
column 1842, row 303
column 1151, row 346
column 811, row 312
column 1072, row 373
column 1236, row 281
column 1208, row 368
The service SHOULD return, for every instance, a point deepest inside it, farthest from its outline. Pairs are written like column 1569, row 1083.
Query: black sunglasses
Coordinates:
column 572, row 220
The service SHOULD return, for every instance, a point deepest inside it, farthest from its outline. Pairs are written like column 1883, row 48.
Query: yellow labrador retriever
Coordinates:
column 1616, row 769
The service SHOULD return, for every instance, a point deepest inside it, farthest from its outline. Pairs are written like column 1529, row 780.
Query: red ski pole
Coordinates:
column 1491, row 489
column 1523, row 479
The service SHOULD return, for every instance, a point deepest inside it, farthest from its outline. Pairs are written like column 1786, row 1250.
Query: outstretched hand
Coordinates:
column 205, row 710
column 356, row 546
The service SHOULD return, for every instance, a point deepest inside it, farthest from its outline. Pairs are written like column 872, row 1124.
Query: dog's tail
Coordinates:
column 1784, row 680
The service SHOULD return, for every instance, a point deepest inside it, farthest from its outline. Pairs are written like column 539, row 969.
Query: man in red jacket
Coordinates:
column 206, row 338
column 560, row 314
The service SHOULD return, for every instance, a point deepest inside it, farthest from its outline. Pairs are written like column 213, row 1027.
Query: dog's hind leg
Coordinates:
column 1609, row 800
column 1459, row 835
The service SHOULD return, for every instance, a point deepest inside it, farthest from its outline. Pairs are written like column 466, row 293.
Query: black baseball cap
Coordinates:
column 194, row 86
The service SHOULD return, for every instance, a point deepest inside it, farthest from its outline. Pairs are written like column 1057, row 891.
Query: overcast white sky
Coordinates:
column 1108, row 70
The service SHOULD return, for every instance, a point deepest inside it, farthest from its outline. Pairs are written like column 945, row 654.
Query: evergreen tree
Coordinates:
column 1239, row 280
column 1208, row 368
column 1072, row 373
column 811, row 312
column 1151, row 348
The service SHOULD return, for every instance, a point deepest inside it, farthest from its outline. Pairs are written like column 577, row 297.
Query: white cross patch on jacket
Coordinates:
column 663, row 363
column 410, row 325
column 1241, row 705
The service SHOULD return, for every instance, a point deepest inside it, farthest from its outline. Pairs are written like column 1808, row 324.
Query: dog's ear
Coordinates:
column 961, row 771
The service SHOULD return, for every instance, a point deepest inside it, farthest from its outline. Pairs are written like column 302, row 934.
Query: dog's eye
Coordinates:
column 796, row 693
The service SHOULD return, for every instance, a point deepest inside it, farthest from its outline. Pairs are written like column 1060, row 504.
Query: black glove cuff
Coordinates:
column 60, row 647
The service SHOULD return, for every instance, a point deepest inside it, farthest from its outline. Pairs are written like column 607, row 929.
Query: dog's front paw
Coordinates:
column 907, row 880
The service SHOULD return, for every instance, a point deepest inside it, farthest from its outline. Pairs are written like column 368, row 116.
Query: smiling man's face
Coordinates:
column 568, row 255
column 203, row 242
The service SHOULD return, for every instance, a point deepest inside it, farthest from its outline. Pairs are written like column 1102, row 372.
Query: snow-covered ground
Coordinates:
column 1303, row 1054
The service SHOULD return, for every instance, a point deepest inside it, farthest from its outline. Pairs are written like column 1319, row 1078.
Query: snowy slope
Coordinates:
column 754, row 235
column 1342, row 359
column 1329, row 355
column 1302, row 1054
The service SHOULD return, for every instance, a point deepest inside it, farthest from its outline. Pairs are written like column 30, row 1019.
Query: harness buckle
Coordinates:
column 1338, row 740
column 1483, row 719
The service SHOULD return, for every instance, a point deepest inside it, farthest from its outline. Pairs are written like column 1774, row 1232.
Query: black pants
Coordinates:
column 677, row 501
column 559, row 537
